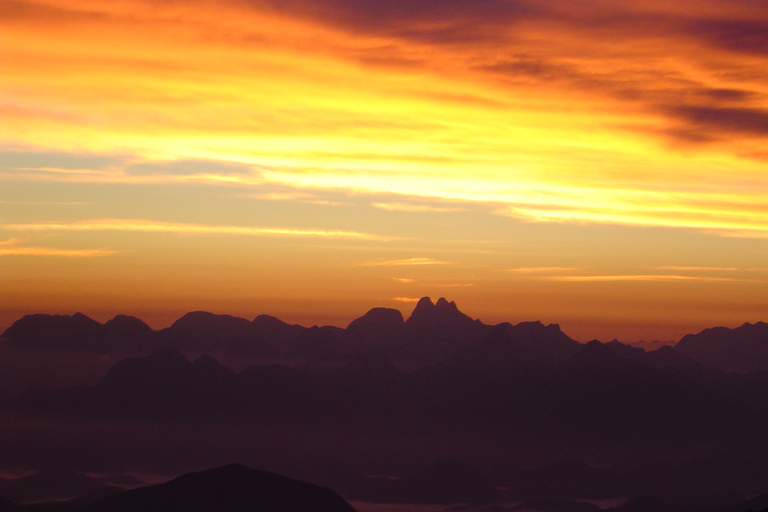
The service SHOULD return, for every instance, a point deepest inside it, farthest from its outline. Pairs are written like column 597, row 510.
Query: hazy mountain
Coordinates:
column 232, row 488
column 743, row 349
column 447, row 482
column 56, row 332
column 379, row 328
column 386, row 395
column 8, row 506
column 202, row 331
column 50, row 484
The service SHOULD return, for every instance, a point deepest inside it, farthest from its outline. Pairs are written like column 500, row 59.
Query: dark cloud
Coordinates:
column 747, row 121
column 745, row 36
column 434, row 21
column 20, row 11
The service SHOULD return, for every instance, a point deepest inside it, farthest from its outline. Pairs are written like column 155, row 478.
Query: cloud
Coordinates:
column 14, row 247
column 416, row 208
column 405, row 299
column 404, row 280
column 407, row 261
column 703, row 269
column 190, row 229
column 739, row 35
column 49, row 251
column 188, row 168
column 639, row 277
column 533, row 270
column 11, row 160
column 718, row 120
column 431, row 21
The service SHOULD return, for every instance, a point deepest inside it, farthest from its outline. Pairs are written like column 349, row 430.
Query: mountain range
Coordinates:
column 544, row 416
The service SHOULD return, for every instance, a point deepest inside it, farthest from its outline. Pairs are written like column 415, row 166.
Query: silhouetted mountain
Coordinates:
column 567, row 479
column 202, row 331
column 378, row 328
column 647, row 503
column 597, row 397
column 444, row 482
column 554, row 505
column 442, row 315
column 62, row 332
column 232, row 488
column 127, row 333
column 757, row 503
column 524, row 395
column 122, row 480
column 743, row 349
column 664, row 358
column 438, row 330
column 547, row 341
column 50, row 484
column 8, row 506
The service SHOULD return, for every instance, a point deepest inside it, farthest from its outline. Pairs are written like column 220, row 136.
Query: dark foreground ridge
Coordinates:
column 231, row 488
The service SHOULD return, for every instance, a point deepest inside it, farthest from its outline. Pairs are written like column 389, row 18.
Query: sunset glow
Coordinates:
column 598, row 164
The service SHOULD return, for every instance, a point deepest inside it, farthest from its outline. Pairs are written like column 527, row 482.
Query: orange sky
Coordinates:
column 599, row 165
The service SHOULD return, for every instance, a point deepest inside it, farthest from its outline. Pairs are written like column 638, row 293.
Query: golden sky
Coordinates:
column 598, row 164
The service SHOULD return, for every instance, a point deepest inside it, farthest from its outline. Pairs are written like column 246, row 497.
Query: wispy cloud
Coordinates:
column 697, row 269
column 639, row 277
column 49, row 251
column 48, row 203
column 535, row 270
column 407, row 261
column 406, row 299
column 192, row 229
column 416, row 208
column 301, row 197
column 404, row 280
column 15, row 247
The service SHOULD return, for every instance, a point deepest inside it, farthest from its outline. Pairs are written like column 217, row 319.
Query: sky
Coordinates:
column 598, row 164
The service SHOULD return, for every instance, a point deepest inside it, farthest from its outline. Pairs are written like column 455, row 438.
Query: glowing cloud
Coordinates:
column 407, row 261
column 418, row 208
column 639, row 277
column 535, row 270
column 193, row 229
column 48, row 251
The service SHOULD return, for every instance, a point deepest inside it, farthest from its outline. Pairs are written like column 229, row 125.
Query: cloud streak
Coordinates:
column 404, row 262
column 49, row 251
column 148, row 226
column 640, row 277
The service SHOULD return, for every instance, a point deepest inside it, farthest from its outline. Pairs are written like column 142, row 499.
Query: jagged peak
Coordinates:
column 443, row 311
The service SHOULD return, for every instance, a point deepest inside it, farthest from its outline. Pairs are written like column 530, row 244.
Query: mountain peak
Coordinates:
column 232, row 488
column 378, row 317
column 443, row 312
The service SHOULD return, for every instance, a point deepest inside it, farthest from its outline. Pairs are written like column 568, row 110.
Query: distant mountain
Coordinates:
column 232, row 488
column 201, row 331
column 743, row 349
column 50, row 484
column 545, row 340
column 444, row 482
column 379, row 328
column 56, row 332
column 8, row 506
